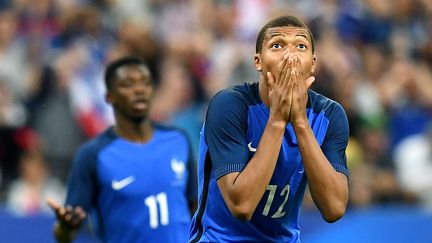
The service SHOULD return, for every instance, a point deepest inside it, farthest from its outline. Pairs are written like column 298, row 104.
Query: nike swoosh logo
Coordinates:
column 118, row 185
column 251, row 148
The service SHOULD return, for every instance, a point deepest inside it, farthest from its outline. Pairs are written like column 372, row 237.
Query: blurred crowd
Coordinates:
column 374, row 57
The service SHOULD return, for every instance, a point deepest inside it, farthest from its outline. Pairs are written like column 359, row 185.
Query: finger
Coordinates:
column 270, row 80
column 65, row 210
column 70, row 212
column 69, row 209
column 61, row 213
column 289, row 86
column 53, row 204
column 68, row 217
column 298, row 61
column 292, row 76
column 299, row 74
column 78, row 216
column 283, row 69
column 288, row 74
column 297, row 84
column 80, row 213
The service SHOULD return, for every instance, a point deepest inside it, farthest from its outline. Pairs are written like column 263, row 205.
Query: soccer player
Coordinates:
column 137, row 177
column 261, row 143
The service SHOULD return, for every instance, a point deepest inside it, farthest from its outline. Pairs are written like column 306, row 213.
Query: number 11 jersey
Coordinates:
column 137, row 192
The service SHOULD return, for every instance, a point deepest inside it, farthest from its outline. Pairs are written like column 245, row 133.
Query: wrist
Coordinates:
column 300, row 125
column 277, row 123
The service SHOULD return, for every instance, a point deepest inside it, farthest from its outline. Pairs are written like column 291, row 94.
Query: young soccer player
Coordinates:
column 263, row 142
column 137, row 178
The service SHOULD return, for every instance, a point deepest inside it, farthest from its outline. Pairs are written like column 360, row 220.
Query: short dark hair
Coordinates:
column 282, row 21
column 111, row 70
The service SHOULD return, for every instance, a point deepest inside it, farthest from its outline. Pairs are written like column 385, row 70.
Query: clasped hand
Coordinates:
column 288, row 91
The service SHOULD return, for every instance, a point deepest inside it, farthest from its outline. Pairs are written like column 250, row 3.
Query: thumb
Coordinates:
column 270, row 80
column 310, row 81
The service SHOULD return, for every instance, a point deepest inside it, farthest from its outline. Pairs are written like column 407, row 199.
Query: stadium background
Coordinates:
column 374, row 57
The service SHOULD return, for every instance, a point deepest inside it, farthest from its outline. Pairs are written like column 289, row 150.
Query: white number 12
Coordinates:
column 272, row 190
column 152, row 203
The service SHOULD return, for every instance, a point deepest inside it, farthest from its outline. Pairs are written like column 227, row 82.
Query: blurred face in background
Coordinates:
column 132, row 92
column 8, row 25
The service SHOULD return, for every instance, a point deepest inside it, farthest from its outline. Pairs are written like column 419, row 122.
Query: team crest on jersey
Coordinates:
column 178, row 167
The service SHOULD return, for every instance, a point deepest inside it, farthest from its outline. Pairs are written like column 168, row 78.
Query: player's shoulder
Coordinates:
column 97, row 143
column 244, row 94
column 320, row 103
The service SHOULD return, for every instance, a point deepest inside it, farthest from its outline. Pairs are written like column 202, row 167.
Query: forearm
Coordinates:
column 247, row 187
column 329, row 188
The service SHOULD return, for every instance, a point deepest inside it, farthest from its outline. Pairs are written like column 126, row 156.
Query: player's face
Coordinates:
column 279, row 41
column 132, row 91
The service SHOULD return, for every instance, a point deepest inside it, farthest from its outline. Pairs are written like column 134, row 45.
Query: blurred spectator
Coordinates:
column 12, row 135
column 413, row 157
column 406, row 91
column 54, row 120
column 174, row 102
column 27, row 194
column 13, row 68
column 372, row 179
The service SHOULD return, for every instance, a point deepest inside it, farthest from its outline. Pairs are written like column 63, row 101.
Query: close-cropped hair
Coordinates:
column 282, row 21
column 111, row 70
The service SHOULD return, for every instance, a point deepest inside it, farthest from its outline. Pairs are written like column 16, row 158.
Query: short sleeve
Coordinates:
column 336, row 139
column 225, row 133
column 192, row 182
column 82, row 180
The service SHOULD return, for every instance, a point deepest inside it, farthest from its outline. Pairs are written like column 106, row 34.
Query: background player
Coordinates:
column 136, row 177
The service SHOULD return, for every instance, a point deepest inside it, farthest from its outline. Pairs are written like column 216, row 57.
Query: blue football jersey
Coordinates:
column 235, row 122
column 138, row 192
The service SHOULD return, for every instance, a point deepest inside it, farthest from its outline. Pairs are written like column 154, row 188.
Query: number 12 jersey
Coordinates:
column 234, row 124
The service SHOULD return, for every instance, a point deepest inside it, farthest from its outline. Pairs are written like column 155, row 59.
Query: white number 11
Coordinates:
column 152, row 203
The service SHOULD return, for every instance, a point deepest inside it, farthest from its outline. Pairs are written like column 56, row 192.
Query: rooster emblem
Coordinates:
column 178, row 167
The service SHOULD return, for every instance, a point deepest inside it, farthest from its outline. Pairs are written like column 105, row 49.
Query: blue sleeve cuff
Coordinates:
column 228, row 169
column 342, row 169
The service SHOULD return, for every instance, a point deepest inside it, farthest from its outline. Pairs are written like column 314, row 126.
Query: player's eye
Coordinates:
column 276, row 45
column 302, row 46
column 126, row 84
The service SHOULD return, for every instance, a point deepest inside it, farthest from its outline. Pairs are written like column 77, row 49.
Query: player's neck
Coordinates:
column 139, row 132
column 263, row 91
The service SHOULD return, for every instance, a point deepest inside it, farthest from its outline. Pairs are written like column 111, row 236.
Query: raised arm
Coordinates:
column 243, row 190
column 328, row 187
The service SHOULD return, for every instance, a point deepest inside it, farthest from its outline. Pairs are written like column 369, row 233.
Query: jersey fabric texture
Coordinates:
column 137, row 192
column 235, row 121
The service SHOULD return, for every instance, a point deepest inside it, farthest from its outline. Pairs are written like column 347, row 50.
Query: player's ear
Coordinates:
column 314, row 63
column 257, row 62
